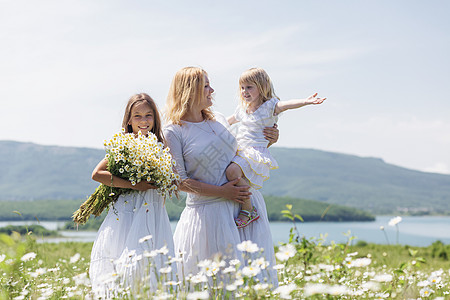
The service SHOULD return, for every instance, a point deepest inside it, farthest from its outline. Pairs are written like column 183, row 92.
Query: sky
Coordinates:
column 67, row 69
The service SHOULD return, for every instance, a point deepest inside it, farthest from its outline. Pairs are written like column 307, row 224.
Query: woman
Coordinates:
column 203, row 148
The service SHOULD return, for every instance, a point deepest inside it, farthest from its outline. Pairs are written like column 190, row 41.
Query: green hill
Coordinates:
column 365, row 183
column 36, row 172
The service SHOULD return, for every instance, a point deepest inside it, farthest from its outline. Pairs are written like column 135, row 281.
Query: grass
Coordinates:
column 307, row 268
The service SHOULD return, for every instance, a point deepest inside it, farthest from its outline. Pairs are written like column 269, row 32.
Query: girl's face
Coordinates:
column 142, row 118
column 250, row 94
column 207, row 94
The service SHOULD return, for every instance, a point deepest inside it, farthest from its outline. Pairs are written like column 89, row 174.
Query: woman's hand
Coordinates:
column 271, row 134
column 143, row 186
column 235, row 193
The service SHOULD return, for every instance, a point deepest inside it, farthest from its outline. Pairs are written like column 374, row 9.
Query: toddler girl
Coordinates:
column 259, row 108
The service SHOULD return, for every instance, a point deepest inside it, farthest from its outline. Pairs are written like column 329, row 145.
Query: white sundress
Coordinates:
column 206, row 227
column 253, row 156
column 121, row 256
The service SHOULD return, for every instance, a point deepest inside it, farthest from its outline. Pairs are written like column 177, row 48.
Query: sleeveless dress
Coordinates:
column 206, row 227
column 253, row 156
column 125, row 251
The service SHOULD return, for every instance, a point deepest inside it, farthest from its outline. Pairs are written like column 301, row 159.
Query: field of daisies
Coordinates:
column 306, row 268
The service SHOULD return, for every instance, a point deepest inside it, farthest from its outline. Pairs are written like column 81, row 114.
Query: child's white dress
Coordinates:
column 124, row 254
column 253, row 156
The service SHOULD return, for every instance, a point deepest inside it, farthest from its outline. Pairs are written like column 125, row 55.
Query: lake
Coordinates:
column 414, row 231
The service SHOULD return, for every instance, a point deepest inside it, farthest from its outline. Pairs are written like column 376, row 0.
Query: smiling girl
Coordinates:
column 259, row 108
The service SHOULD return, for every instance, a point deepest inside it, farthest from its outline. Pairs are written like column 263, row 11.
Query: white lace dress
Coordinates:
column 253, row 156
column 206, row 226
column 124, row 254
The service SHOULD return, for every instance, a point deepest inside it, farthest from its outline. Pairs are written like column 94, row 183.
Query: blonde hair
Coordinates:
column 143, row 98
column 261, row 80
column 186, row 90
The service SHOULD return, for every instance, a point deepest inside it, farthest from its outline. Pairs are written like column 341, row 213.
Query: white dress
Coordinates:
column 253, row 156
column 123, row 251
column 206, row 226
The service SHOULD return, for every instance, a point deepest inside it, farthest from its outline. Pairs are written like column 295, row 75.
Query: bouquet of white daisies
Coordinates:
column 135, row 158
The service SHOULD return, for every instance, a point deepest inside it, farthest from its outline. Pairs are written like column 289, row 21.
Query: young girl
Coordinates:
column 259, row 108
column 137, row 225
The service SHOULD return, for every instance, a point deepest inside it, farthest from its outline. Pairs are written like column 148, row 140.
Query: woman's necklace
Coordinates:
column 206, row 121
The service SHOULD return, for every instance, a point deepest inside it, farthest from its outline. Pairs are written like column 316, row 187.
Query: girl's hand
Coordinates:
column 235, row 193
column 271, row 134
column 313, row 99
column 143, row 186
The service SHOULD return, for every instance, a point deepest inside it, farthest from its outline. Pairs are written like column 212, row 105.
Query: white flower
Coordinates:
column 145, row 238
column 426, row 292
column 81, row 279
column 75, row 258
column 383, row 278
column 38, row 272
column 150, row 254
column 286, row 252
column 198, row 295
column 163, row 250
column 278, row 267
column 360, row 262
column 395, row 221
column 251, row 271
column 248, row 246
column 285, row 290
column 199, row 278
column 166, row 270
column 234, row 262
column 371, row 285
column 335, row 290
column 28, row 256
column 231, row 287
column 2, row 257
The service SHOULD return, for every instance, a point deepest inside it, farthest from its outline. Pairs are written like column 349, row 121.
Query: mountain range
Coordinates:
column 36, row 172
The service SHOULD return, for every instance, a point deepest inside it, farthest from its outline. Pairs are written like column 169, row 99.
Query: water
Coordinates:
column 414, row 231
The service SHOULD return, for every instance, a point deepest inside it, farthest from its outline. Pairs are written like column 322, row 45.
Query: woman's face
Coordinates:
column 142, row 118
column 207, row 94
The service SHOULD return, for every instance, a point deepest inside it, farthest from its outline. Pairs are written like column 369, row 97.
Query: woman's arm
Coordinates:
column 297, row 103
column 228, row 191
column 102, row 175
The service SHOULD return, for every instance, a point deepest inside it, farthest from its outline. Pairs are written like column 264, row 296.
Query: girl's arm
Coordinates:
column 296, row 103
column 228, row 191
column 102, row 175
column 232, row 120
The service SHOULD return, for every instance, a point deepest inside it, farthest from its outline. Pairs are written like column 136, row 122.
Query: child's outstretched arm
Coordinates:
column 296, row 103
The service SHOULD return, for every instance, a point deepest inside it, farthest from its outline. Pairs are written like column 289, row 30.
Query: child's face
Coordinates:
column 142, row 118
column 250, row 94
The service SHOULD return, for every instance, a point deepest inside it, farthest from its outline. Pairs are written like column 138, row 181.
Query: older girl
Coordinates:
column 138, row 223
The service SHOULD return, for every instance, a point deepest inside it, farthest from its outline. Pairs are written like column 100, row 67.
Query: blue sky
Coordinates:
column 68, row 68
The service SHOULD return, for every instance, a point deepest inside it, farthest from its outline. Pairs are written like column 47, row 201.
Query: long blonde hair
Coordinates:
column 261, row 80
column 186, row 90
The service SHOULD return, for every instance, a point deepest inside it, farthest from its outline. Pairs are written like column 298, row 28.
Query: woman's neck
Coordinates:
column 193, row 116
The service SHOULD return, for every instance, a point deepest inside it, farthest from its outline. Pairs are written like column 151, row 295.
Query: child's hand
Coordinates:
column 143, row 186
column 314, row 99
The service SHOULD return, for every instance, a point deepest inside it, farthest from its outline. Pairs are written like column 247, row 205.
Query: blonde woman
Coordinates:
column 203, row 148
